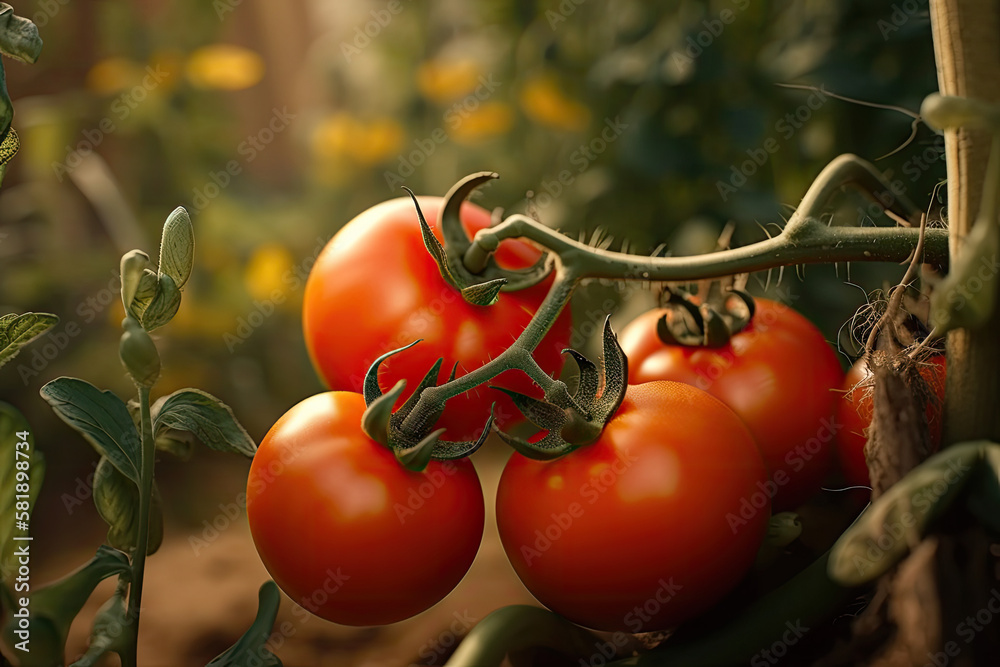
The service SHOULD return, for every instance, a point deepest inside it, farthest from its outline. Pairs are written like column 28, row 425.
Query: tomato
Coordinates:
column 346, row 531
column 854, row 414
column 375, row 288
column 649, row 525
column 778, row 374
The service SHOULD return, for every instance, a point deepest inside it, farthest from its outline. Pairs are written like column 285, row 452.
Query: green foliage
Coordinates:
column 16, row 331
column 117, row 501
column 14, row 429
column 207, row 418
column 250, row 649
column 101, row 418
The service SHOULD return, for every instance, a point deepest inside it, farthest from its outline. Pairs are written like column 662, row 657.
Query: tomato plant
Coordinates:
column 778, row 374
column 375, row 287
column 346, row 531
column 854, row 415
column 643, row 528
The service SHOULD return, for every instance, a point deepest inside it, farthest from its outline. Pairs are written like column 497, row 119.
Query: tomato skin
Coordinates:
column 375, row 288
column 778, row 374
column 855, row 411
column 647, row 526
column 346, row 531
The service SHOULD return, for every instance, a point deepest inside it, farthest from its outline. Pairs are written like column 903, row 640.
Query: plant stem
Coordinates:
column 130, row 657
column 965, row 47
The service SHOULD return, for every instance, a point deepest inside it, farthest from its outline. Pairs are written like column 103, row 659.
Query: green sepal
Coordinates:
column 386, row 427
column 251, row 648
column 457, row 243
column 484, row 294
column 164, row 304
column 101, row 418
column 16, row 331
column 133, row 267
column 577, row 420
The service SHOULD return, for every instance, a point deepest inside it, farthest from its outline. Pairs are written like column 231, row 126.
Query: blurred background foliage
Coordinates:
column 276, row 123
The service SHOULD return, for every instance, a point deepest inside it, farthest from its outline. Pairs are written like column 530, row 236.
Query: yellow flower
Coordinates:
column 545, row 103
column 224, row 66
column 342, row 136
column 443, row 81
column 489, row 120
column 113, row 74
column 264, row 273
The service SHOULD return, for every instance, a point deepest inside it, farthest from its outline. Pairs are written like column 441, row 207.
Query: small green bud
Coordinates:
column 133, row 265
column 138, row 353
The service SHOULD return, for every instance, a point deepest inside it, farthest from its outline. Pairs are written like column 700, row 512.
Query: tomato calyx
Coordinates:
column 577, row 420
column 709, row 321
column 413, row 448
column 483, row 287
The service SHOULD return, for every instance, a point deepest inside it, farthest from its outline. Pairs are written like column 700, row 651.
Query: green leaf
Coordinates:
column 53, row 607
column 902, row 516
column 100, row 417
column 117, row 501
column 16, row 331
column 206, row 417
column 177, row 247
column 13, row 423
column 251, row 649
column 18, row 36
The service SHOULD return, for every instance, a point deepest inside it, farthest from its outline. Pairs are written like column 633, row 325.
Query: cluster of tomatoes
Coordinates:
column 646, row 527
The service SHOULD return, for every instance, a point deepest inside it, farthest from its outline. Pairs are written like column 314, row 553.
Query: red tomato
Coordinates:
column 347, row 532
column 778, row 375
column 854, row 414
column 375, row 288
column 649, row 525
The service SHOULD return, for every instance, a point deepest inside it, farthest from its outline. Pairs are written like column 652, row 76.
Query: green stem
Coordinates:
column 129, row 657
column 519, row 627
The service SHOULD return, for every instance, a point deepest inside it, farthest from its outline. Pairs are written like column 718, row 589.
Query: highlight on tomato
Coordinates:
column 375, row 288
column 777, row 373
column 648, row 526
column 345, row 530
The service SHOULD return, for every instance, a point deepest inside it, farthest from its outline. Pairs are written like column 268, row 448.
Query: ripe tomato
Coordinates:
column 778, row 374
column 346, row 531
column 649, row 525
column 375, row 288
column 854, row 413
